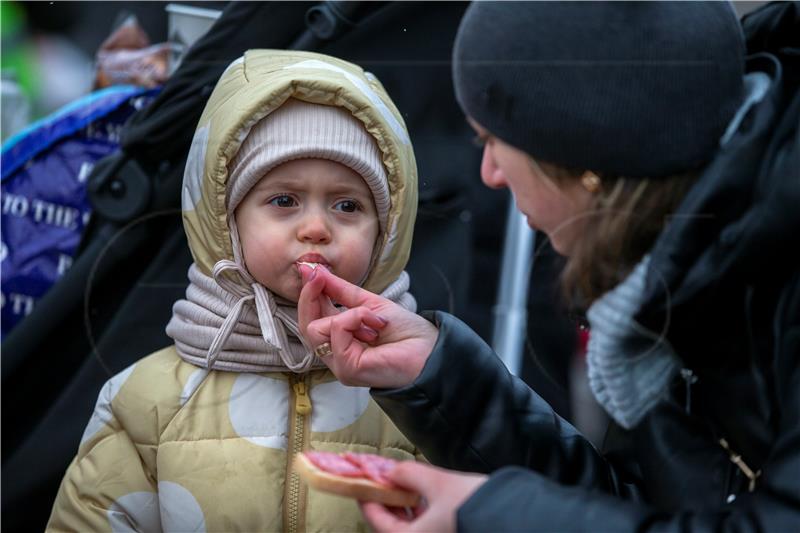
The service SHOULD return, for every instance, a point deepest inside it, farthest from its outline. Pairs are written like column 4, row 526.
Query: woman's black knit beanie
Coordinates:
column 638, row 89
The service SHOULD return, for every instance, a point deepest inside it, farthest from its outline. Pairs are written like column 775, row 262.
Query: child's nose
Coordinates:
column 314, row 229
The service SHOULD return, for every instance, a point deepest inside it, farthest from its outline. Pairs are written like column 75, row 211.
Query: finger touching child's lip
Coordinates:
column 308, row 263
column 307, row 271
column 313, row 261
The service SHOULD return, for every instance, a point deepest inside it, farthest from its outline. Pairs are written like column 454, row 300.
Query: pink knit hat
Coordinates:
column 299, row 130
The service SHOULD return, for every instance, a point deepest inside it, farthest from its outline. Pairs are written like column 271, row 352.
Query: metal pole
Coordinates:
column 510, row 313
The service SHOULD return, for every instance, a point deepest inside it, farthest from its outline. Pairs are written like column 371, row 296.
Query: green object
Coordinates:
column 18, row 59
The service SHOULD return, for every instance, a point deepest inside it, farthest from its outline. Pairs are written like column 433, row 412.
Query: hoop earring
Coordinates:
column 590, row 181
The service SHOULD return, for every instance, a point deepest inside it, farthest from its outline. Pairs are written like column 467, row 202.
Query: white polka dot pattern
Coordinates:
column 194, row 381
column 195, row 166
column 379, row 106
column 237, row 61
column 136, row 511
column 336, row 406
column 258, row 409
column 102, row 409
column 179, row 509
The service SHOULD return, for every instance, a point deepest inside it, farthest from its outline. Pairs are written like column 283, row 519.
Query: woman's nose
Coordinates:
column 491, row 175
column 313, row 228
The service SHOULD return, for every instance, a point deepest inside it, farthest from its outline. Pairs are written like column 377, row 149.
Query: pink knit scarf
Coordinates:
column 243, row 327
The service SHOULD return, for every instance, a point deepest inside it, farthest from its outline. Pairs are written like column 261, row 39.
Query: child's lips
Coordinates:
column 305, row 269
column 313, row 261
column 313, row 258
column 312, row 265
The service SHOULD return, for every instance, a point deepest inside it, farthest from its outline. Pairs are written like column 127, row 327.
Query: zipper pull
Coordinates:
column 738, row 461
column 302, row 402
column 690, row 378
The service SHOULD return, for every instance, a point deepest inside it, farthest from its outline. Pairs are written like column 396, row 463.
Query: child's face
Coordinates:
column 311, row 210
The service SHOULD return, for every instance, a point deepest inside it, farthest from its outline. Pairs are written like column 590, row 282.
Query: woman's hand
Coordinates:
column 443, row 492
column 375, row 342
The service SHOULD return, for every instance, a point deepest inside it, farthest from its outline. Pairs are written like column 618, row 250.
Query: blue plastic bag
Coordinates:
column 44, row 202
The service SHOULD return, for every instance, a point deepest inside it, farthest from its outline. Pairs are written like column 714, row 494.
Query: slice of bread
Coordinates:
column 352, row 487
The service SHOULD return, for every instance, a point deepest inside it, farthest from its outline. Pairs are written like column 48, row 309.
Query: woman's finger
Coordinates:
column 318, row 331
column 417, row 477
column 382, row 519
column 342, row 333
column 366, row 334
column 351, row 324
column 313, row 304
column 345, row 293
column 355, row 320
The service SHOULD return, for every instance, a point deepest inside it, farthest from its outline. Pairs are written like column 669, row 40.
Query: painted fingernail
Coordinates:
column 382, row 320
column 370, row 331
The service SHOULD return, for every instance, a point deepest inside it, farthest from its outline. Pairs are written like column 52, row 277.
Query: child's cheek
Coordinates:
column 351, row 264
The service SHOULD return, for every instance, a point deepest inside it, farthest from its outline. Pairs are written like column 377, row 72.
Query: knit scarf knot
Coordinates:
column 239, row 325
column 273, row 321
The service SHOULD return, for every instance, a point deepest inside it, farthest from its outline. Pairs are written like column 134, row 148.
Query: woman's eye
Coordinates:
column 284, row 200
column 348, row 206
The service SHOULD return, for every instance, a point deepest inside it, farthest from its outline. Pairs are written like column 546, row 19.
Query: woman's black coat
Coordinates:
column 728, row 298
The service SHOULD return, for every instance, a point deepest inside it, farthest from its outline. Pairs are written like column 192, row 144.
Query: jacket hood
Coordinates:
column 739, row 223
column 254, row 86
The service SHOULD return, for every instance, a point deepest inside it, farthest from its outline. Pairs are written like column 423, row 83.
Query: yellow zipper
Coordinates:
column 302, row 401
column 300, row 409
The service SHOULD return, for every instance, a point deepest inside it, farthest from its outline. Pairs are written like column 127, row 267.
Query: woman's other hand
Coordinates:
column 374, row 343
column 443, row 492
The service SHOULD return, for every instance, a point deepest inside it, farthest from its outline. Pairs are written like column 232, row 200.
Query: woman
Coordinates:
column 632, row 135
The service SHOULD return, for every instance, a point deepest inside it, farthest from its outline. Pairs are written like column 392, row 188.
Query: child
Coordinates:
column 298, row 158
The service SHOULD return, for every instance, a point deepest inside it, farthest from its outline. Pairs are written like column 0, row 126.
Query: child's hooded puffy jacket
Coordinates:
column 177, row 447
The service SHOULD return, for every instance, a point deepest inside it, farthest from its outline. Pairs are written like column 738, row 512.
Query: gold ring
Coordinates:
column 323, row 350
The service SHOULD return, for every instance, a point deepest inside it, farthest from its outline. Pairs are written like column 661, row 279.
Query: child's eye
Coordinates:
column 348, row 206
column 283, row 200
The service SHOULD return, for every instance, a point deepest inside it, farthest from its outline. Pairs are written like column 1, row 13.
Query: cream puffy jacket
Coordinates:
column 175, row 447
